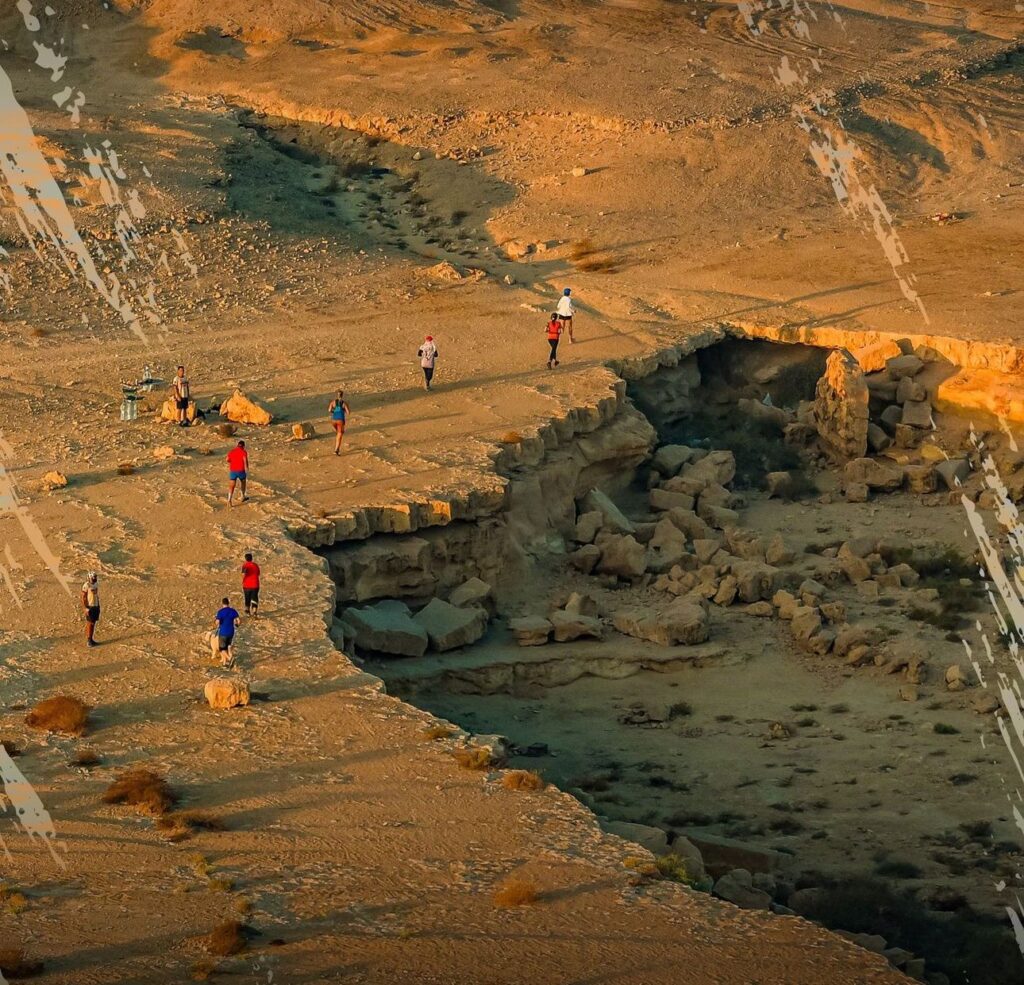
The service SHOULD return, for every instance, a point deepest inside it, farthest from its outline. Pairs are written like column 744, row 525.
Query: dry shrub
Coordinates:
column 184, row 824
column 222, row 884
column 522, row 780
column 580, row 249
column 515, row 892
column 226, row 430
column 38, row 332
column 203, row 969
column 437, row 732
column 14, row 964
column 60, row 714
column 512, row 438
column 143, row 789
column 126, row 468
column 86, row 758
column 473, row 758
column 227, row 938
column 243, row 905
column 10, row 748
column 13, row 899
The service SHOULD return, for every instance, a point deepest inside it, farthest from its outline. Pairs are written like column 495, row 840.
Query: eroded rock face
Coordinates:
column 841, row 407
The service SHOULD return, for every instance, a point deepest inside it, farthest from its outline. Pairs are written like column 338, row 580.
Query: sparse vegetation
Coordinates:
column 515, row 892
column 680, row 709
column 473, row 758
column 126, row 468
column 12, row 899
column 183, row 824
column 898, row 869
column 85, row 758
column 15, row 965
column 941, row 728
column 229, row 937
column 61, row 713
column 977, row 830
column 10, row 748
column 141, row 788
column 522, row 780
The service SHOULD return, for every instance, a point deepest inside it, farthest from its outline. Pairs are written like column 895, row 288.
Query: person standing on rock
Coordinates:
column 226, row 622
column 251, row 586
column 565, row 311
column 91, row 606
column 338, row 411
column 238, row 471
column 182, row 395
column 554, row 333
column 428, row 357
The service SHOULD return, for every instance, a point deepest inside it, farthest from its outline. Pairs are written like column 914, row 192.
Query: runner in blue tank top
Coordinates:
column 338, row 411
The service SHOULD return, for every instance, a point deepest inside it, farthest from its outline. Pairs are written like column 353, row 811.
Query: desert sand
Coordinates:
column 320, row 160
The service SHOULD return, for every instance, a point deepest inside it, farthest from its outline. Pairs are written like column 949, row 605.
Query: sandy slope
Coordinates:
column 364, row 849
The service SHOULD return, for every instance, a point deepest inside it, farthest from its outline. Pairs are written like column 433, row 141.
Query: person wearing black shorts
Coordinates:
column 251, row 586
column 182, row 395
column 91, row 605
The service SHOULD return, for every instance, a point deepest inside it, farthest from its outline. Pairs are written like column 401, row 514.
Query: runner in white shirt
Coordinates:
column 91, row 605
column 565, row 311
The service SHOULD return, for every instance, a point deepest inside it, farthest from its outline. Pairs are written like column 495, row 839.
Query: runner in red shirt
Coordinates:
column 238, row 470
column 251, row 586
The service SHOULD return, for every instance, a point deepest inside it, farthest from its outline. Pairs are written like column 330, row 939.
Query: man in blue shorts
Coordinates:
column 226, row 621
column 238, row 471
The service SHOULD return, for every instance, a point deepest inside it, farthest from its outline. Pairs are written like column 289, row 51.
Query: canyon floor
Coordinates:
column 320, row 159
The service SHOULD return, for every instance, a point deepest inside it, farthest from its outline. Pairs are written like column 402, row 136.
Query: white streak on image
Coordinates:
column 29, row 812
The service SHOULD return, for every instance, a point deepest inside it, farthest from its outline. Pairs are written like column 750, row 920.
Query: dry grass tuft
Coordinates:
column 522, row 780
column 14, row 964
column 585, row 256
column 143, row 789
column 437, row 732
column 203, row 969
column 10, row 748
column 473, row 758
column 515, row 892
column 126, row 468
column 226, row 430
column 581, row 248
column 86, row 758
column 13, row 899
column 39, row 332
column 184, row 824
column 228, row 937
column 60, row 714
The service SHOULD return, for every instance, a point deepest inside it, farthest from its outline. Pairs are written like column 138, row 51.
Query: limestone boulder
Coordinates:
column 622, row 556
column 303, row 431
column 681, row 621
column 586, row 558
column 669, row 459
column 718, row 517
column 243, row 410
column 917, row 414
column 920, row 478
column 387, row 627
column 569, row 626
column 878, row 440
column 531, row 630
column 448, row 627
column 953, row 472
column 663, row 500
column 779, row 484
column 666, row 548
column 587, row 526
column 226, row 692
column 690, row 524
column 902, row 366
column 54, row 480
column 737, row 887
column 716, row 466
column 653, row 839
column 613, row 519
column 169, row 411
column 841, row 407
column 875, row 474
column 582, row 604
column 756, row 580
column 910, row 389
column 473, row 593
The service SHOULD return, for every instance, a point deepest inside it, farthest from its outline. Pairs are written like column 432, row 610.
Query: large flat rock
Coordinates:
column 387, row 627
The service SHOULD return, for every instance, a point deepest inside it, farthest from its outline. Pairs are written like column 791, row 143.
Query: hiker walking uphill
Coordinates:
column 554, row 330
column 565, row 311
column 226, row 622
column 251, row 586
column 338, row 411
column 428, row 356
column 182, row 395
column 91, row 606
column 238, row 471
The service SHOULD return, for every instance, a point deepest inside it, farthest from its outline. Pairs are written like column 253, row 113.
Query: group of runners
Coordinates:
column 227, row 617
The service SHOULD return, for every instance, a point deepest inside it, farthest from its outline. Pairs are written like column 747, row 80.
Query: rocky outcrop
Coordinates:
column 226, row 692
column 681, row 621
column 841, row 407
